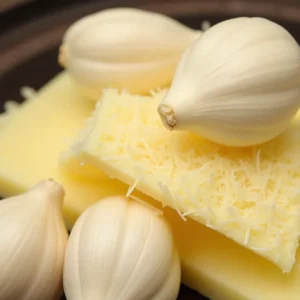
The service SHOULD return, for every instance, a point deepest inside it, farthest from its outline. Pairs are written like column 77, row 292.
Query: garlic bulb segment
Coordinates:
column 124, row 48
column 237, row 85
column 33, row 239
column 120, row 249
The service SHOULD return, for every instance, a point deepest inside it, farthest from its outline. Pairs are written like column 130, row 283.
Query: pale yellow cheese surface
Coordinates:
column 251, row 195
column 33, row 137
column 10, row 108
column 212, row 264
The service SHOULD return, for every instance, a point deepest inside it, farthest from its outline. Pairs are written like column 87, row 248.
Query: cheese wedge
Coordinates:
column 251, row 195
column 212, row 264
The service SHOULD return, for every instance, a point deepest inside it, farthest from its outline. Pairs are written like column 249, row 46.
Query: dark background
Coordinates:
column 31, row 32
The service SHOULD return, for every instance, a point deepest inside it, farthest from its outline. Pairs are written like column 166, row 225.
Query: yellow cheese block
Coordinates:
column 251, row 195
column 222, row 270
column 212, row 264
column 33, row 137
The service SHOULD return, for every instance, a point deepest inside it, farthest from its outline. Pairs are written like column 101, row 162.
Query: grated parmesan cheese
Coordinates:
column 28, row 92
column 131, row 188
column 247, row 236
column 205, row 25
column 189, row 213
column 235, row 191
column 164, row 189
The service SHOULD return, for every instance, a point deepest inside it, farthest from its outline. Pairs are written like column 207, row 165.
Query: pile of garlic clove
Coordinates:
column 119, row 249
column 236, row 83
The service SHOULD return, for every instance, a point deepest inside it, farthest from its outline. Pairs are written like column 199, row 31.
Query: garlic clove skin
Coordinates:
column 33, row 239
column 237, row 85
column 121, row 250
column 124, row 48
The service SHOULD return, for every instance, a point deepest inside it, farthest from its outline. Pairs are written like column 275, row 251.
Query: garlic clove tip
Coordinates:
column 167, row 116
column 52, row 189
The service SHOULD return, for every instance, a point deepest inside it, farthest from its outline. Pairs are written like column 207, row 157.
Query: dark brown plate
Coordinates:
column 31, row 32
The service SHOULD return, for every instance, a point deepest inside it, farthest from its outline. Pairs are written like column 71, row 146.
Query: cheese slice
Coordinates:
column 212, row 264
column 250, row 195
column 222, row 270
column 32, row 138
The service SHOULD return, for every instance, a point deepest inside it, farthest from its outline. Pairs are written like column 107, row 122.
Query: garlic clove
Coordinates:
column 121, row 249
column 33, row 238
column 237, row 85
column 124, row 48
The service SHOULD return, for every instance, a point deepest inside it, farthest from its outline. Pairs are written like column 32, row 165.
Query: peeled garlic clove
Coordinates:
column 121, row 250
column 124, row 48
column 33, row 238
column 238, row 84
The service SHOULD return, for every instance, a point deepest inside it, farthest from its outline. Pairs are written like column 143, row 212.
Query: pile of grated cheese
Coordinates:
column 251, row 195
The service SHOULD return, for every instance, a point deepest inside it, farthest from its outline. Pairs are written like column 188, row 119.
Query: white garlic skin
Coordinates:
column 237, row 85
column 121, row 250
column 124, row 48
column 33, row 239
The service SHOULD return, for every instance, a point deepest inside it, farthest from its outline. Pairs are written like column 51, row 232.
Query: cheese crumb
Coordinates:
column 28, row 92
column 132, row 187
